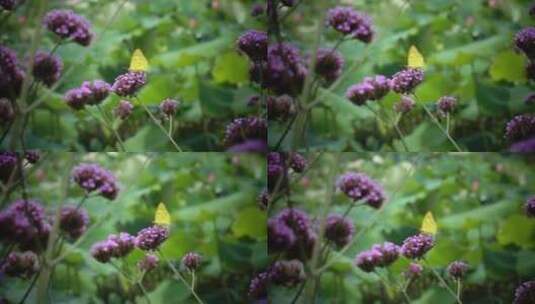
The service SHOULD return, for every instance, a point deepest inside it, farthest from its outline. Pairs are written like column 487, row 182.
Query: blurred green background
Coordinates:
column 212, row 202
column 476, row 199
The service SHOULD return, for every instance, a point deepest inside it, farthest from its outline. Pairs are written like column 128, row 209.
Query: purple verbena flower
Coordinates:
column 129, row 83
column 371, row 88
column 368, row 260
column 92, row 177
column 249, row 146
column 8, row 163
column 151, row 238
column 11, row 75
column 20, row 264
column 525, row 41
column 68, row 25
column 530, row 99
column 358, row 186
column 529, row 207
column 446, row 104
column 298, row 162
column 287, row 273
column 10, row 5
column 148, row 263
column 47, row 68
column 258, row 286
column 405, row 105
column 169, row 106
column 281, row 107
column 329, row 64
column 32, row 156
column 257, row 10
column 191, row 261
column 280, row 236
column 416, row 246
column 123, row 109
column 243, row 129
column 103, row 251
column 524, row 146
column 457, row 269
column 254, row 44
column 350, row 22
column 525, row 293
column 390, row 253
column 414, row 271
column 405, row 81
column 73, row 221
column 520, row 127
column 89, row 93
column 339, row 230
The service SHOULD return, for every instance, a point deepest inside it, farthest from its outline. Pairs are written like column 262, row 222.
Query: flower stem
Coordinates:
column 459, row 289
column 159, row 125
column 110, row 126
column 180, row 277
column 437, row 123
column 442, row 282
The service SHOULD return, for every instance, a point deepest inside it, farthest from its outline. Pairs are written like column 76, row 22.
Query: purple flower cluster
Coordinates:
column 151, row 238
column 276, row 170
column 520, row 127
column 525, row 41
column 129, row 83
column 25, row 223
column 20, row 264
column 371, row 88
column 380, row 255
column 148, row 263
column 524, row 146
column 10, row 5
column 191, row 261
column 259, row 285
column 446, row 104
column 115, row 246
column 47, row 68
column 329, row 64
column 169, row 106
column 243, row 129
column 284, row 71
column 405, row 81
column 358, row 186
column 11, row 75
column 414, row 271
column 339, row 230
column 529, row 207
column 291, row 231
column 257, row 10
column 350, row 22
column 73, row 221
column 89, row 93
column 416, row 246
column 457, row 269
column 92, row 177
column 405, row 105
column 298, row 162
column 287, row 273
column 8, row 163
column 68, row 25
column 7, row 114
column 280, row 108
column 254, row 44
column 123, row 109
column 525, row 293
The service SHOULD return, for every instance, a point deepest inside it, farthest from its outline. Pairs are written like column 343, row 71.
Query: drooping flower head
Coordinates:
column 525, row 41
column 47, row 68
column 457, row 269
column 169, row 107
column 129, row 83
column 405, row 81
column 243, row 129
column 73, row 221
column 520, row 127
column 92, row 177
column 405, row 105
column 151, row 238
column 11, row 75
column 351, row 23
column 191, row 261
column 68, row 25
column 123, row 109
column 446, row 104
column 148, row 263
column 287, row 273
column 25, row 223
column 284, row 72
column 358, row 186
column 371, row 88
column 339, row 230
column 254, row 44
column 416, row 246
column 529, row 207
column 329, row 64
column 525, row 293
column 281, row 107
column 20, row 264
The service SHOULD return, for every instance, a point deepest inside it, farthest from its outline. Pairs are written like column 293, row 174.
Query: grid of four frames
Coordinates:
column 277, row 151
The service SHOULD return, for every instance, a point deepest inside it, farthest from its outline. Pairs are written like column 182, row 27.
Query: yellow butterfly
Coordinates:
column 162, row 217
column 428, row 224
column 138, row 62
column 415, row 59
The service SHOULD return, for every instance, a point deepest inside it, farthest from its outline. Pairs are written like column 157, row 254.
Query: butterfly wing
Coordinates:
column 415, row 59
column 428, row 224
column 162, row 217
column 138, row 62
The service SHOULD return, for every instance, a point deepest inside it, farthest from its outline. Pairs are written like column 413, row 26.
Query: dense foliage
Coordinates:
column 347, row 228
column 106, row 248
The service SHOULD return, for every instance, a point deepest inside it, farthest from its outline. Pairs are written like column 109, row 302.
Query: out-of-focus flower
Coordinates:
column 73, row 221
column 68, row 25
column 405, row 105
column 529, row 207
column 191, row 261
column 47, row 68
column 457, row 269
column 32, row 156
column 358, row 186
column 414, row 271
column 20, row 264
column 371, row 88
column 405, row 81
column 11, row 75
column 92, row 177
column 281, row 107
column 243, row 129
column 151, row 238
column 351, row 23
column 520, row 127
column 524, row 146
column 298, row 162
column 129, row 83
column 525, row 41
column 89, row 93
column 123, row 109
column 148, row 263
column 329, row 64
column 525, row 293
column 169, row 107
column 368, row 260
column 416, row 246
column 339, row 230
column 254, row 44
column 287, row 273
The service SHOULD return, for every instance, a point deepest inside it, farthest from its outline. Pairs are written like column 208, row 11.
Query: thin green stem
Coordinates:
column 109, row 125
column 29, row 289
column 459, row 289
column 180, row 277
column 155, row 120
column 442, row 282
column 299, row 292
column 437, row 123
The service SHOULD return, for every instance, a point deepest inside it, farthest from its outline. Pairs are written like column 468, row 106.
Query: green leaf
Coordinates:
column 508, row 65
column 191, row 55
column 518, row 230
column 231, row 68
column 491, row 99
column 250, row 222
column 215, row 101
